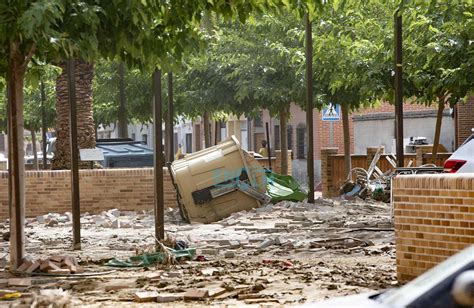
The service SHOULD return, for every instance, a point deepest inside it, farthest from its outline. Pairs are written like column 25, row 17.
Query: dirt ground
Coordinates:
column 283, row 254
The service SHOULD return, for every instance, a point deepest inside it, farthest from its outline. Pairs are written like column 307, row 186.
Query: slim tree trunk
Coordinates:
column 44, row 127
column 169, row 123
column 122, row 112
column 35, row 151
column 439, row 121
column 17, row 64
column 284, row 140
column 347, row 139
column 207, row 135
column 85, row 121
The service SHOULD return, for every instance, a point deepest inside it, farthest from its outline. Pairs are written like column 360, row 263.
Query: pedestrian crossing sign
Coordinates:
column 331, row 112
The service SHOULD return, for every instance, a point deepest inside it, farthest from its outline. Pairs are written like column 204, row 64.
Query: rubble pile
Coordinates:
column 59, row 265
column 281, row 254
column 112, row 218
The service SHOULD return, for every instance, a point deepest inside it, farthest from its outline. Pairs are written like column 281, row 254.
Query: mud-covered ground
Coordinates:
column 283, row 254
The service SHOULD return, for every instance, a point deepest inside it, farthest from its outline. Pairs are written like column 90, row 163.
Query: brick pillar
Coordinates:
column 277, row 167
column 371, row 151
column 420, row 150
column 327, row 172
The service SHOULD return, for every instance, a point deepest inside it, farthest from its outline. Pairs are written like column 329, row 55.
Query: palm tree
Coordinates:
column 84, row 72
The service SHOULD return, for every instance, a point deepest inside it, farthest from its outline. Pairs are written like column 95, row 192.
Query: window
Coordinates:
column 257, row 121
column 300, row 142
column 145, row 138
column 276, row 145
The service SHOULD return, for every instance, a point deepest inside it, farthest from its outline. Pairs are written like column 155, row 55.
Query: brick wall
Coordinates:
column 465, row 120
column 125, row 189
column 434, row 219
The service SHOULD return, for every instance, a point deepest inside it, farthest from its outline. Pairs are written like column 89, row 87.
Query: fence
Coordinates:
column 332, row 165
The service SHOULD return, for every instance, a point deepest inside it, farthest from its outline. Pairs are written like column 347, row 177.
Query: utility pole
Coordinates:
column 75, row 196
column 158, row 159
column 399, row 89
column 169, row 125
column 309, row 107
column 44, row 128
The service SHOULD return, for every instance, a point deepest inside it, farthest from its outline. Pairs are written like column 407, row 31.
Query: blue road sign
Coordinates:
column 331, row 112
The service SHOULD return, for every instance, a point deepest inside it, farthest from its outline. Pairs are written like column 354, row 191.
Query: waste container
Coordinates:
column 215, row 182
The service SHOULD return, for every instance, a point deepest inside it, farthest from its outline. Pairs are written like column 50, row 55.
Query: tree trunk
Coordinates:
column 207, row 135
column 216, row 131
column 35, row 150
column 85, row 121
column 169, row 123
column 284, row 140
column 439, row 121
column 347, row 139
column 44, row 127
column 17, row 64
column 122, row 112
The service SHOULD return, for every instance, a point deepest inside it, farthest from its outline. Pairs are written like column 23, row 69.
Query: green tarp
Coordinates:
column 283, row 187
column 148, row 259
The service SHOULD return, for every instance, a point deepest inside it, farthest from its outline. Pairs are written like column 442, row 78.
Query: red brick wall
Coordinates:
column 434, row 219
column 465, row 120
column 125, row 189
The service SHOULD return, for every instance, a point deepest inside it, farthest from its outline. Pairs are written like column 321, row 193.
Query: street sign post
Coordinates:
column 331, row 114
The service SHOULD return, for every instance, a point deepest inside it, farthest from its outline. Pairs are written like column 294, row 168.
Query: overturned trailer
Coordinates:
column 215, row 182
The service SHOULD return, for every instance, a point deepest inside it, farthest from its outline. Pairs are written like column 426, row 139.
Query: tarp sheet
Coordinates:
column 148, row 259
column 283, row 187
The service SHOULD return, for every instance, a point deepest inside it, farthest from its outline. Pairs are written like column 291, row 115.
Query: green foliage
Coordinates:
column 37, row 73
column 106, row 94
column 439, row 50
column 245, row 68
column 350, row 54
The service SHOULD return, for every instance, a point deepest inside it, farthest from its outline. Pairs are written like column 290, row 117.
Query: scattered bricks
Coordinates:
column 57, row 259
column 24, row 266
column 266, row 243
column 234, row 244
column 79, row 270
column 145, row 297
column 246, row 223
column 213, row 292
column 115, row 223
column 61, row 271
column 355, row 225
column 53, row 222
column 33, row 267
column 230, row 222
column 19, row 282
column 209, row 271
column 209, row 251
column 196, row 294
column 62, row 219
column 281, row 225
column 175, row 274
column 120, row 285
column 114, row 212
column 229, row 254
column 280, row 241
column 41, row 219
column 48, row 265
column 168, row 298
